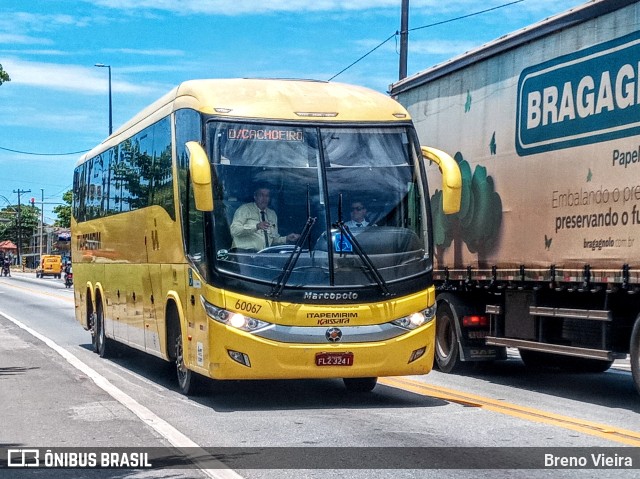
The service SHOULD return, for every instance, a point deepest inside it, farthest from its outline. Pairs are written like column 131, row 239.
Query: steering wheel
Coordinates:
column 278, row 249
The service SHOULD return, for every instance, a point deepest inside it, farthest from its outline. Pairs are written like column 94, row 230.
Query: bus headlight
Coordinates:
column 233, row 319
column 416, row 320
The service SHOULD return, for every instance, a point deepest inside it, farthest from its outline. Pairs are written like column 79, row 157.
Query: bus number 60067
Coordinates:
column 246, row 306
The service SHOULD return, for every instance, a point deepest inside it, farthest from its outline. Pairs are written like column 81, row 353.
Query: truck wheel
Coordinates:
column 360, row 385
column 535, row 359
column 540, row 360
column 634, row 352
column 584, row 365
column 447, row 349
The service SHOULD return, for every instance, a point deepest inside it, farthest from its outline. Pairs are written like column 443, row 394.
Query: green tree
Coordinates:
column 63, row 212
column 4, row 76
column 9, row 229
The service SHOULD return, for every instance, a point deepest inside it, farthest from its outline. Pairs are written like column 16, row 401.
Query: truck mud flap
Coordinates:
column 484, row 353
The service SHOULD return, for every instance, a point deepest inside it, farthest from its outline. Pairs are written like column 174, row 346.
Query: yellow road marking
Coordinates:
column 603, row 431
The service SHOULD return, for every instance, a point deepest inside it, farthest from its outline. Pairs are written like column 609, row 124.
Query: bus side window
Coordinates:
column 195, row 245
column 222, row 229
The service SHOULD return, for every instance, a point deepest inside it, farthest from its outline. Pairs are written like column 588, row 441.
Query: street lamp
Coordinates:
column 102, row 65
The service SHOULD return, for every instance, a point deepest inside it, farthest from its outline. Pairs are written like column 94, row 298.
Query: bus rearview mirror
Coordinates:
column 200, row 173
column 451, row 178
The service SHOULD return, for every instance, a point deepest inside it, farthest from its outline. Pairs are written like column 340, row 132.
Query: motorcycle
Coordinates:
column 5, row 270
column 68, row 279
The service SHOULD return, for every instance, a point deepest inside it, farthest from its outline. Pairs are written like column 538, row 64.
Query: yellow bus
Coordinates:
column 173, row 256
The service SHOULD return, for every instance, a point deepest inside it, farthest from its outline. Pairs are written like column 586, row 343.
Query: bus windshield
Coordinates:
column 330, row 206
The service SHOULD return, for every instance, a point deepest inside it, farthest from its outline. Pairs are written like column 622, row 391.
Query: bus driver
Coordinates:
column 255, row 225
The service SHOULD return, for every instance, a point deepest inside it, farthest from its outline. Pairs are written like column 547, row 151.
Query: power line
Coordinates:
column 422, row 27
column 43, row 154
column 363, row 56
column 465, row 16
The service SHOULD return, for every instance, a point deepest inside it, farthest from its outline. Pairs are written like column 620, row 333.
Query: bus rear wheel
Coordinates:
column 103, row 345
column 360, row 385
column 93, row 327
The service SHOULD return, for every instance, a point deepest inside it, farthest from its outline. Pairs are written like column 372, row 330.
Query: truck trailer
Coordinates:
column 544, row 254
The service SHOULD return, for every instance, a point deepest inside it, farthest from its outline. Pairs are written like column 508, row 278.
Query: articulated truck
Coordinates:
column 544, row 254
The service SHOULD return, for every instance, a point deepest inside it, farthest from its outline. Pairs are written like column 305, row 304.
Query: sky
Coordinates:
column 56, row 104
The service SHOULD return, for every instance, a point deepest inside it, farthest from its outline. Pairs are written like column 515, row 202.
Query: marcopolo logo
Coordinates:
column 586, row 97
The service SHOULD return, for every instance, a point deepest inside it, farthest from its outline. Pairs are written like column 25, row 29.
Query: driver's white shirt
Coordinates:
column 244, row 232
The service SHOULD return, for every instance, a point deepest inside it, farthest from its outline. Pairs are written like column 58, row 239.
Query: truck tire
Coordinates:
column 447, row 349
column 540, row 360
column 634, row 352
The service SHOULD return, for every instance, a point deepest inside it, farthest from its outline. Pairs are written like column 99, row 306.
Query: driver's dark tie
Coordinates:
column 266, row 236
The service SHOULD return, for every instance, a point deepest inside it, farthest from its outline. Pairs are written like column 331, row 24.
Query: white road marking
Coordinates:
column 166, row 430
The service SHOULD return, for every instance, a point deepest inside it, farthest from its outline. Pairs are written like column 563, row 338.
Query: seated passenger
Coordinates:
column 358, row 219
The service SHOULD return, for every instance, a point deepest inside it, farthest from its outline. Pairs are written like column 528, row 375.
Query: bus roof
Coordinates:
column 273, row 99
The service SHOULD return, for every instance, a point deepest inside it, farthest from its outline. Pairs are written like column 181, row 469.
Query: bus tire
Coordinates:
column 360, row 385
column 93, row 327
column 91, row 323
column 634, row 353
column 187, row 379
column 103, row 344
column 447, row 348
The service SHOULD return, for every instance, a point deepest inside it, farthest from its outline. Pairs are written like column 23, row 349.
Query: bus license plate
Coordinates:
column 334, row 359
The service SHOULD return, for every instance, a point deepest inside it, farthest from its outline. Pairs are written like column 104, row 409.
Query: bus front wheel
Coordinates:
column 360, row 385
column 187, row 379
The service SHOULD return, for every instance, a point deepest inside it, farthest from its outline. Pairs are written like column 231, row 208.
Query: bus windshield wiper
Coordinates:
column 295, row 254
column 345, row 232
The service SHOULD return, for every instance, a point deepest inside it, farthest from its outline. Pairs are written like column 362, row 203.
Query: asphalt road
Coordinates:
column 56, row 393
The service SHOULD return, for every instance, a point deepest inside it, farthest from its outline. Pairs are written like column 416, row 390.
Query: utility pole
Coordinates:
column 404, row 39
column 19, row 191
column 102, row 65
column 41, row 223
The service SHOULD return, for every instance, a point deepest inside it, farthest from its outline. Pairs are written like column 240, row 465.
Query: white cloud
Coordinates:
column 243, row 7
column 441, row 47
column 19, row 21
column 150, row 52
column 56, row 76
column 16, row 39
column 47, row 52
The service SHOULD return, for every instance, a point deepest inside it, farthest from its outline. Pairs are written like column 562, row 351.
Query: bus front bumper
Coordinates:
column 246, row 356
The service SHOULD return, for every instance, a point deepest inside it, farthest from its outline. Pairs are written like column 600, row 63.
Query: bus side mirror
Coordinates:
column 200, row 173
column 451, row 178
